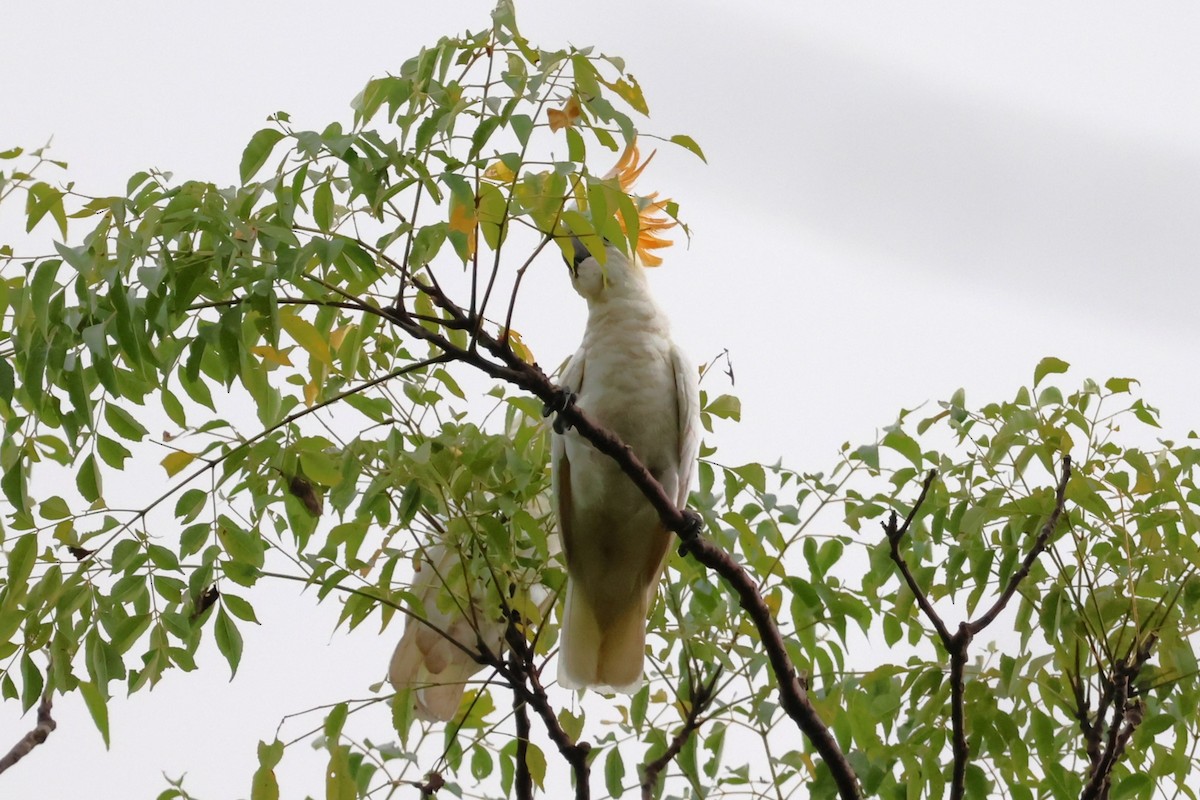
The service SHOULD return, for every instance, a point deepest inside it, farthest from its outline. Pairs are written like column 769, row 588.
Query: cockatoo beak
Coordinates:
column 581, row 252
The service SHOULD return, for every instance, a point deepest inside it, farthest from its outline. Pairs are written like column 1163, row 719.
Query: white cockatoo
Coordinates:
column 632, row 379
column 464, row 608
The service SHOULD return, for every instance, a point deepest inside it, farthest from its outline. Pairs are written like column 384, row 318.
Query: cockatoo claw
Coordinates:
column 561, row 401
column 693, row 525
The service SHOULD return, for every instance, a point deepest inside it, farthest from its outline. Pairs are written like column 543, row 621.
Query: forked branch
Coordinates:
column 957, row 644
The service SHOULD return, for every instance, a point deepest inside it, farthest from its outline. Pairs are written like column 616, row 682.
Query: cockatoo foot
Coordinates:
column 562, row 400
column 693, row 525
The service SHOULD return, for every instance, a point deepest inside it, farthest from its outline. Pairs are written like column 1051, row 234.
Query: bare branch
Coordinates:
column 45, row 725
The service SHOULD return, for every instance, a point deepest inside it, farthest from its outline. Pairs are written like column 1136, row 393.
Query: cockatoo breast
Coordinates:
column 629, row 381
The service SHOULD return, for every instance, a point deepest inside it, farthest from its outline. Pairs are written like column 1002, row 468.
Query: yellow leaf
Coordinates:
column 176, row 461
column 463, row 220
column 310, row 393
column 499, row 171
column 337, row 337
column 564, row 117
column 268, row 353
column 774, row 600
column 518, row 346
column 307, row 336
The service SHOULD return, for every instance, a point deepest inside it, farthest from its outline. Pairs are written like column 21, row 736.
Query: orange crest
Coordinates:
column 652, row 216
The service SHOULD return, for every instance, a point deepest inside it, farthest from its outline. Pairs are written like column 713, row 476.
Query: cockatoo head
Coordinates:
column 594, row 280
column 622, row 272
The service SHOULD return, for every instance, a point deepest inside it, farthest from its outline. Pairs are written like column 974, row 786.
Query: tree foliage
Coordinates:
column 990, row 600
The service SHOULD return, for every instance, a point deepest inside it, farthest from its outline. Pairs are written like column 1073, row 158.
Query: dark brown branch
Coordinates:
column 958, row 715
column 1038, row 546
column 1127, row 715
column 45, row 726
column 523, row 782
column 701, row 698
column 1090, row 730
column 895, row 535
column 527, row 689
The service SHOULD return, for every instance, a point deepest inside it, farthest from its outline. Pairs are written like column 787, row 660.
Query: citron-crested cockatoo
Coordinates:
column 632, row 379
column 458, row 596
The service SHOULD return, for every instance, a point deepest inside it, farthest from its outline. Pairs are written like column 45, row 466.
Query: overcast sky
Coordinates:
column 900, row 199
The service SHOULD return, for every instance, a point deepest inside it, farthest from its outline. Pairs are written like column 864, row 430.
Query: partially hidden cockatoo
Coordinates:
column 632, row 379
column 463, row 609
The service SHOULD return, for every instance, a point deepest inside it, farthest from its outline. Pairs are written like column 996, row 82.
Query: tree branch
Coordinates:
column 895, row 534
column 701, row 699
column 1127, row 714
column 527, row 688
column 958, row 643
column 523, row 782
column 45, row 725
column 1038, row 546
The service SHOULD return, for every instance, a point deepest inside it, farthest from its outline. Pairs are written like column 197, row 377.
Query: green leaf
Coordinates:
column 1132, row 785
column 257, row 151
column 481, row 763
column 264, row 785
column 1119, row 385
column 242, row 545
column 54, row 508
column 88, row 480
column 726, row 407
column 42, row 199
column 229, row 641
column 323, row 207
column 614, row 772
column 334, row 721
column 339, row 782
column 21, row 563
column 97, row 706
column 31, row 682
column 1049, row 366
column 123, row 423
column 239, row 608
column 535, row 759
column 689, row 143
column 112, row 452
column 8, row 381
column 905, row 445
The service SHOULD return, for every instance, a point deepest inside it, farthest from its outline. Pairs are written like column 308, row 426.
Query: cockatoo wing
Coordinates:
column 560, row 467
column 687, row 399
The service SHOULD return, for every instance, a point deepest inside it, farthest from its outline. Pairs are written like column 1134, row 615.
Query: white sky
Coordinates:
column 901, row 199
